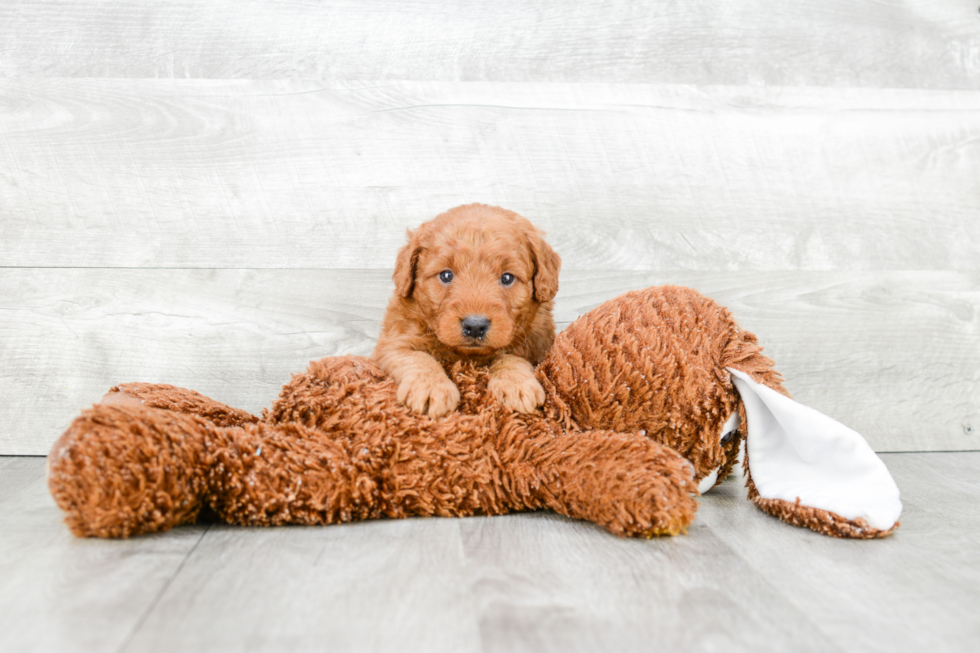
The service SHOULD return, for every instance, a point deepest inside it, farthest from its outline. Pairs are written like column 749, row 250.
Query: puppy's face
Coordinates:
column 475, row 289
column 478, row 275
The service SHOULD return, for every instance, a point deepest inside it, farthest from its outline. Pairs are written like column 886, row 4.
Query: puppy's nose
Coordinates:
column 475, row 326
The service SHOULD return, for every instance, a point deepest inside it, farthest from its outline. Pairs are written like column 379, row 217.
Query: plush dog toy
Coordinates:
column 648, row 399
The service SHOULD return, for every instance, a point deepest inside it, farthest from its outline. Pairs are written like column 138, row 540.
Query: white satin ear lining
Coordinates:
column 797, row 452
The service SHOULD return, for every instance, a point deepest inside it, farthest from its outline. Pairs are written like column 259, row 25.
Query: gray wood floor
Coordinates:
column 738, row 580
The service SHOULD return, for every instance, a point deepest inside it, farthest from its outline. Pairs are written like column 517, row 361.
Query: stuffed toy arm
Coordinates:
column 624, row 482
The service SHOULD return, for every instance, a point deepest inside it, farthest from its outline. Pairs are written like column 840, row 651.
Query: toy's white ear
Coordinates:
column 810, row 470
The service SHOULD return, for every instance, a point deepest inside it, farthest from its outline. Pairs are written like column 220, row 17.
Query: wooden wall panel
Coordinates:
column 841, row 43
column 236, row 335
column 209, row 194
column 894, row 355
column 110, row 173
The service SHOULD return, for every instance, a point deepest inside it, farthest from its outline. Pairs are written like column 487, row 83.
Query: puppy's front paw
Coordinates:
column 518, row 392
column 428, row 394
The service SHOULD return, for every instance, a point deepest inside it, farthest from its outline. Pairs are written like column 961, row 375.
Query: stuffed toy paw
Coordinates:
column 648, row 399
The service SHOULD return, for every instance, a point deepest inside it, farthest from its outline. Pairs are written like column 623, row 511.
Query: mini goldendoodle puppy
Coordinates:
column 476, row 283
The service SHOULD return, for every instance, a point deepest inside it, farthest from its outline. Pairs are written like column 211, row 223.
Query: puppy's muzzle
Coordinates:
column 475, row 326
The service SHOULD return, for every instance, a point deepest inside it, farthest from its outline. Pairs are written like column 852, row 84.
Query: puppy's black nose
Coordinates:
column 475, row 326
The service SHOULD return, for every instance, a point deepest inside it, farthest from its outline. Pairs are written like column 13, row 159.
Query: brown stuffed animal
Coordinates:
column 641, row 410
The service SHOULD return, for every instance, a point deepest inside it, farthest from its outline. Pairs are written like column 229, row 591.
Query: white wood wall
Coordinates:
column 212, row 194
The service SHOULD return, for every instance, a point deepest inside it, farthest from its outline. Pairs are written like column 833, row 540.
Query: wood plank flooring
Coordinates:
column 738, row 580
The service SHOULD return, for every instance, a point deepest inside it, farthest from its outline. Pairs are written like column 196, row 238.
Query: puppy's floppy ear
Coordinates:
column 405, row 264
column 547, row 264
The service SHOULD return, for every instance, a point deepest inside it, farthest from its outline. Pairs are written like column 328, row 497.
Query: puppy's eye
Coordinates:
column 725, row 439
column 446, row 276
column 507, row 279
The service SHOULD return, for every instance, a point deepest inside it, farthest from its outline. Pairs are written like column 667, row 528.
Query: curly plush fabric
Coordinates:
column 336, row 447
column 637, row 394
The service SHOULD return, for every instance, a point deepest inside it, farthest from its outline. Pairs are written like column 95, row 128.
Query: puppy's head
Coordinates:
column 478, row 275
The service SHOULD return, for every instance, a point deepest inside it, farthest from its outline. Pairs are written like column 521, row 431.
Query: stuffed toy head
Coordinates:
column 649, row 399
column 672, row 364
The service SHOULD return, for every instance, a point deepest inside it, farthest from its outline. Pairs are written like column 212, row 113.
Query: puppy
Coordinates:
column 475, row 283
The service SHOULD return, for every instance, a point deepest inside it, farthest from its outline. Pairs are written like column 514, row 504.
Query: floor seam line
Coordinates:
column 156, row 600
